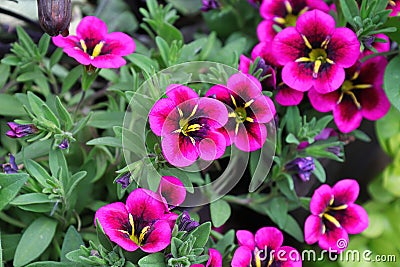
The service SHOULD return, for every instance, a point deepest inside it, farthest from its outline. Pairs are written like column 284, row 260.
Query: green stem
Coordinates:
column 236, row 200
column 12, row 221
column 216, row 235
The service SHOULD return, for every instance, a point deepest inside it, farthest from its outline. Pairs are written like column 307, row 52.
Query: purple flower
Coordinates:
column 64, row 144
column 264, row 249
column 214, row 260
column 143, row 222
column 283, row 14
column 301, row 167
column 210, row 5
column 188, row 125
column 250, row 109
column 360, row 96
column 10, row 167
column 21, row 130
column 186, row 223
column 124, row 180
column 93, row 45
column 334, row 215
column 380, row 47
column 172, row 190
column 315, row 53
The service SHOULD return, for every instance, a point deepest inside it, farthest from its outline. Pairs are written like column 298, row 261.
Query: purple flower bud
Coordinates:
column 209, row 5
column 187, row 224
column 55, row 16
column 263, row 66
column 64, row 144
column 368, row 41
column 124, row 180
column 10, row 167
column 20, row 130
column 301, row 167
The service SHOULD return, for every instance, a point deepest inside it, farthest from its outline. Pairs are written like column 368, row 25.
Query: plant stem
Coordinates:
column 12, row 221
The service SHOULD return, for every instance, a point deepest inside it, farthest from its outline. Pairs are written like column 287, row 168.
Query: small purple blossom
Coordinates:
column 64, row 144
column 210, row 5
column 301, row 167
column 186, row 223
column 93, row 45
column 124, row 180
column 21, row 130
column 10, row 167
column 334, row 215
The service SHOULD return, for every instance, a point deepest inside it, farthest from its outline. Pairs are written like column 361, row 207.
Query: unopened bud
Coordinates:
column 55, row 16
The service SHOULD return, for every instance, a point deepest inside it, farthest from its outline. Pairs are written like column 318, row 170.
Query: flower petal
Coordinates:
column 297, row 76
column 288, row 45
column 179, row 93
column 91, row 28
column 215, row 259
column 347, row 116
column 374, row 103
column 250, row 136
column 354, row 219
column 172, row 189
column 178, row 150
column 315, row 25
column 212, row 146
column 108, row 61
column 345, row 191
column 220, row 92
column 159, row 238
column 266, row 31
column 263, row 109
column 269, row 237
column 289, row 257
column 164, row 117
column 330, row 78
column 118, row 43
column 345, row 47
column 264, row 50
column 145, row 205
column 244, row 86
column 78, row 55
column 323, row 102
column 214, row 111
column 286, row 96
column 246, row 238
column 66, row 42
column 242, row 257
column 320, row 199
column 312, row 229
column 244, row 64
column 333, row 237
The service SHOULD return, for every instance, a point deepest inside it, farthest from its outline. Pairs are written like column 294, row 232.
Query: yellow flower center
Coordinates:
column 392, row 3
column 96, row 50
column 290, row 19
column 185, row 127
column 326, row 214
column 348, row 87
column 240, row 113
column 137, row 239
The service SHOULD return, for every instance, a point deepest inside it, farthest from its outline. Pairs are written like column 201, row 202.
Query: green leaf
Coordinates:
column 220, row 212
column 391, row 82
column 106, row 141
column 1, row 251
column 169, row 33
column 278, row 208
column 54, row 263
column 319, row 171
column 76, row 178
column 143, row 62
column 55, row 57
column 293, row 120
column 102, row 237
column 59, row 167
column 350, row 10
column 44, row 44
column 10, row 106
column 201, row 233
column 106, row 119
column 26, row 41
column 31, row 198
column 64, row 114
column 153, row 260
column 71, row 79
column 34, row 240
column 292, row 228
column 10, row 184
column 34, row 150
column 226, row 241
column 72, row 241
column 186, row 7
column 9, row 244
column 5, row 72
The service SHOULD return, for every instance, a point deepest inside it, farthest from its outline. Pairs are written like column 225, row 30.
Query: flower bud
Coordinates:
column 55, row 16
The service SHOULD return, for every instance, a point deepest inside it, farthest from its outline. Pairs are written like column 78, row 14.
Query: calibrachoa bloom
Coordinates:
column 334, row 215
column 21, row 130
column 172, row 190
column 10, row 167
column 314, row 53
column 250, row 109
column 215, row 259
column 301, row 168
column 188, row 125
column 394, row 5
column 143, row 222
column 284, row 13
column 255, row 251
column 93, row 45
column 361, row 95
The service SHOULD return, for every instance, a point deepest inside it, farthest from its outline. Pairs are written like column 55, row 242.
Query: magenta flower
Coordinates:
column 314, row 53
column 20, row 130
column 172, row 190
column 264, row 249
column 188, row 125
column 250, row 109
column 215, row 259
column 283, row 14
column 334, row 215
column 394, row 5
column 143, row 222
column 93, row 45
column 210, row 5
column 380, row 46
column 361, row 95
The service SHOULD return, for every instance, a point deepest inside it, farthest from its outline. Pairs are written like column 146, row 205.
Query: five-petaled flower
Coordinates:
column 284, row 13
column 361, row 95
column 143, row 222
column 334, row 215
column 249, row 110
column 214, row 260
column 20, row 130
column 93, row 45
column 188, row 125
column 264, row 249
column 315, row 53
